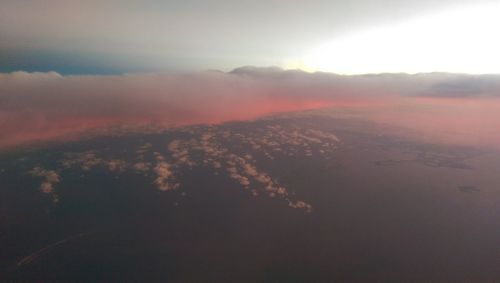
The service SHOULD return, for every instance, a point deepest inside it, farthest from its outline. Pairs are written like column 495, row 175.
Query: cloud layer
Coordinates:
column 46, row 106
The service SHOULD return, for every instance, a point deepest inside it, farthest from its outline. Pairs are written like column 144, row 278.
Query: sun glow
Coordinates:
column 462, row 40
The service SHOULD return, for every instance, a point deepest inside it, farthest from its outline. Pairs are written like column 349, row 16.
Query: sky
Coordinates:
column 347, row 37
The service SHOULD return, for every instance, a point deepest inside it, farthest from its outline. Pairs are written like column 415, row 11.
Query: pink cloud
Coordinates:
column 48, row 106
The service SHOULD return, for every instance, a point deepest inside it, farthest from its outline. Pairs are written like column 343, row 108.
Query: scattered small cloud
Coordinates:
column 51, row 178
column 164, row 174
column 214, row 147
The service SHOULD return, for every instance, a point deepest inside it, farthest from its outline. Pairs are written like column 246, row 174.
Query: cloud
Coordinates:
column 117, row 165
column 215, row 147
column 48, row 106
column 51, row 178
column 85, row 160
column 43, row 106
column 142, row 166
column 164, row 174
column 467, row 86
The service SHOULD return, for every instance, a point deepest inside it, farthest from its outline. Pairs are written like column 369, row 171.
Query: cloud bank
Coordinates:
column 46, row 106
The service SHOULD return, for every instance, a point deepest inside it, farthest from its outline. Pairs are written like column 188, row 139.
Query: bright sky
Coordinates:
column 355, row 36
column 462, row 40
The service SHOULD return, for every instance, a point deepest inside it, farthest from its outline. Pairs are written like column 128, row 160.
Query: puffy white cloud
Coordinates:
column 86, row 160
column 116, row 165
column 142, row 166
column 51, row 178
column 164, row 175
